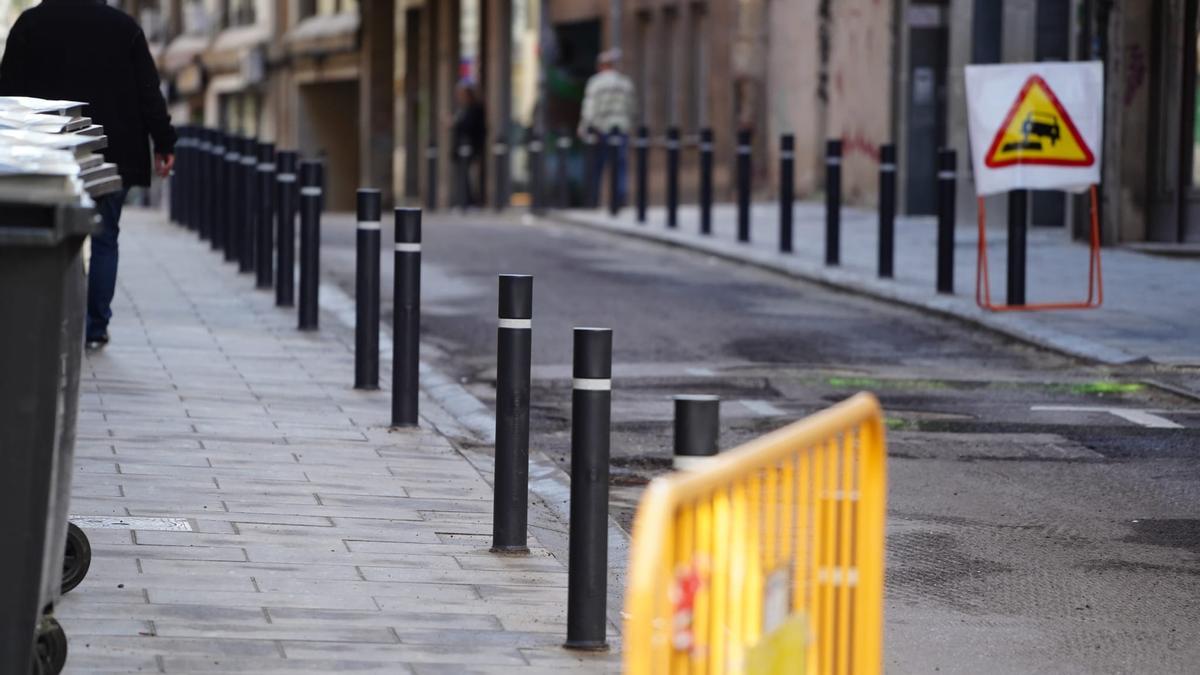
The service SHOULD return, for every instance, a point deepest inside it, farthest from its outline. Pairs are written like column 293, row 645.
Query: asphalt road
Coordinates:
column 1030, row 529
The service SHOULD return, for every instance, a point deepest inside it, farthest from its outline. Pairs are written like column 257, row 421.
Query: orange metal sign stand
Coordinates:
column 1095, row 296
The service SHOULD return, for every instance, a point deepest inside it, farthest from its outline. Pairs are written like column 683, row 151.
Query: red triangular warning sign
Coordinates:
column 1038, row 130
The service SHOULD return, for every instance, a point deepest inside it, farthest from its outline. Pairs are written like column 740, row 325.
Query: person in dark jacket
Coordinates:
column 469, row 132
column 84, row 50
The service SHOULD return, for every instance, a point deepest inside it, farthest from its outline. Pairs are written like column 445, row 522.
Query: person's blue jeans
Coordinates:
column 602, row 161
column 102, row 271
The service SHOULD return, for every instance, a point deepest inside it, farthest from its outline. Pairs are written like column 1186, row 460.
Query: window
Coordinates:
column 237, row 13
column 326, row 7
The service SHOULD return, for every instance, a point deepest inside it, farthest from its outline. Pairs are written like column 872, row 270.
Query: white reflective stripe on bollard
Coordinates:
column 408, row 248
column 516, row 323
column 233, row 157
column 266, row 166
column 310, row 191
column 592, row 384
column 690, row 463
column 368, row 224
column 286, row 178
column 787, row 155
column 833, row 161
column 249, row 161
column 887, row 167
column 946, row 175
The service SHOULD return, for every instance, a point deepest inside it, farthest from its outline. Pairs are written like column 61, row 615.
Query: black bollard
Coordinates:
column 431, row 178
column 264, row 267
column 587, row 565
column 641, row 147
column 366, row 291
column 462, row 176
column 208, row 189
column 706, row 180
column 249, row 205
column 887, row 210
column 406, row 318
column 179, row 182
column 697, row 430
column 947, row 166
column 311, row 179
column 672, row 145
column 500, row 161
column 176, row 183
column 1018, row 220
column 233, row 196
column 562, row 184
column 514, row 338
column 743, row 185
column 216, row 239
column 787, row 189
column 537, row 190
column 833, row 202
column 616, row 142
column 591, row 160
column 285, row 239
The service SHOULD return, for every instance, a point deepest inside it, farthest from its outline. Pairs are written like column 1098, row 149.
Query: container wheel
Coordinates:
column 76, row 559
column 50, row 655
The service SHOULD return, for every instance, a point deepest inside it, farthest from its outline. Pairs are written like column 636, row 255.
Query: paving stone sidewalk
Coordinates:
column 262, row 518
column 1148, row 314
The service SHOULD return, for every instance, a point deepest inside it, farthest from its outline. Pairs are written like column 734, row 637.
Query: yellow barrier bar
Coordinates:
column 770, row 559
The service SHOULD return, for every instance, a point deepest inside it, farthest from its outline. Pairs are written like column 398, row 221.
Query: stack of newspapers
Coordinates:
column 49, row 153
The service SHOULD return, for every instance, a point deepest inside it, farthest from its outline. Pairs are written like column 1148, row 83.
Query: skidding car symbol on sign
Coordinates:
column 1038, row 130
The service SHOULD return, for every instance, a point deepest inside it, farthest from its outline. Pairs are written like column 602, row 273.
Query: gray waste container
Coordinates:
column 42, row 307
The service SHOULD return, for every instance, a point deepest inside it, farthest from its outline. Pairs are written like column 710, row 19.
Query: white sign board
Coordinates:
column 1035, row 125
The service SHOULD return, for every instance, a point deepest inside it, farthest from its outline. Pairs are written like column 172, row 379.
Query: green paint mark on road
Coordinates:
column 1107, row 387
column 868, row 383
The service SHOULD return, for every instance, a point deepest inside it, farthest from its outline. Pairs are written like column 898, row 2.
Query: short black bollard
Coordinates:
column 366, row 290
column 310, row 241
column 833, row 202
column 587, row 566
column 514, row 338
column 249, row 205
column 209, row 196
column 697, row 430
column 179, row 181
column 887, row 210
column 462, row 177
column 641, row 148
column 591, row 160
column 176, row 183
column 616, row 145
column 285, row 239
column 562, row 183
column 947, row 166
column 672, row 145
column 233, row 196
column 787, row 189
column 706, row 180
column 537, row 188
column 431, row 178
column 264, row 264
column 1018, row 221
column 406, row 317
column 216, row 239
column 743, row 185
column 500, row 166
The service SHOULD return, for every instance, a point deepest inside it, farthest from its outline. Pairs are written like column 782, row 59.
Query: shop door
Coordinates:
column 926, row 99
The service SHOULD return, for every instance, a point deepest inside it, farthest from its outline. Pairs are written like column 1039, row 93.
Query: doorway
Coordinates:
column 926, row 104
column 328, row 125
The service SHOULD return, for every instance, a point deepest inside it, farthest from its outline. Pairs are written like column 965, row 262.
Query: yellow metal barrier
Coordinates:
column 769, row 561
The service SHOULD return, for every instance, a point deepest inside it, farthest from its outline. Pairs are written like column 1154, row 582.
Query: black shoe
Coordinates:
column 97, row 342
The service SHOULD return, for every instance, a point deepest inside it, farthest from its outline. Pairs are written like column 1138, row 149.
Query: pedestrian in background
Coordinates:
column 86, row 51
column 468, row 134
column 609, row 104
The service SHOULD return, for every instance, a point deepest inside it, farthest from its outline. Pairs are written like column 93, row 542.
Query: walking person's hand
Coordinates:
column 163, row 165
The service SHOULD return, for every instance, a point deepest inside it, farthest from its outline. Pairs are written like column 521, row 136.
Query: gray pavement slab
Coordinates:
column 315, row 540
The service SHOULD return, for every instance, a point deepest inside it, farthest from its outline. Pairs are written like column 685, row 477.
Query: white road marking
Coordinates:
column 700, row 372
column 762, row 408
column 129, row 523
column 1138, row 416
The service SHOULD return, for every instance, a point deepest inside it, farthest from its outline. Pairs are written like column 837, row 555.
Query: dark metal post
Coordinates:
column 887, row 209
column 1018, row 220
column 310, row 241
column 179, row 200
column 176, row 184
column 249, row 204
column 500, row 158
column 672, row 177
column 562, row 182
column 233, row 197
column 264, row 267
column 285, row 197
column 833, row 202
column 743, row 185
column 406, row 317
column 208, row 189
column 591, row 159
column 706, row 180
column 431, row 178
column 587, row 567
column 697, row 430
column 514, row 338
column 947, row 166
column 615, row 148
column 787, row 187
column 641, row 147
column 217, row 171
column 537, row 192
column 366, row 291
column 462, row 174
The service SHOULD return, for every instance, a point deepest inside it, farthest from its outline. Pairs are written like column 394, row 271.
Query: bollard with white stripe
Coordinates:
column 431, row 177
column 1018, row 221
column 562, row 182
column 175, row 184
column 249, row 204
column 366, row 290
column 216, row 234
column 310, row 241
column 833, row 202
column 500, row 156
column 641, row 148
column 672, row 145
column 264, row 265
column 537, row 191
column 616, row 146
column 587, row 566
column 406, row 317
column 887, row 210
column 514, row 337
column 706, row 180
column 697, row 429
column 743, row 185
column 947, row 166
column 787, row 184
column 233, row 196
column 209, row 195
column 285, row 239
